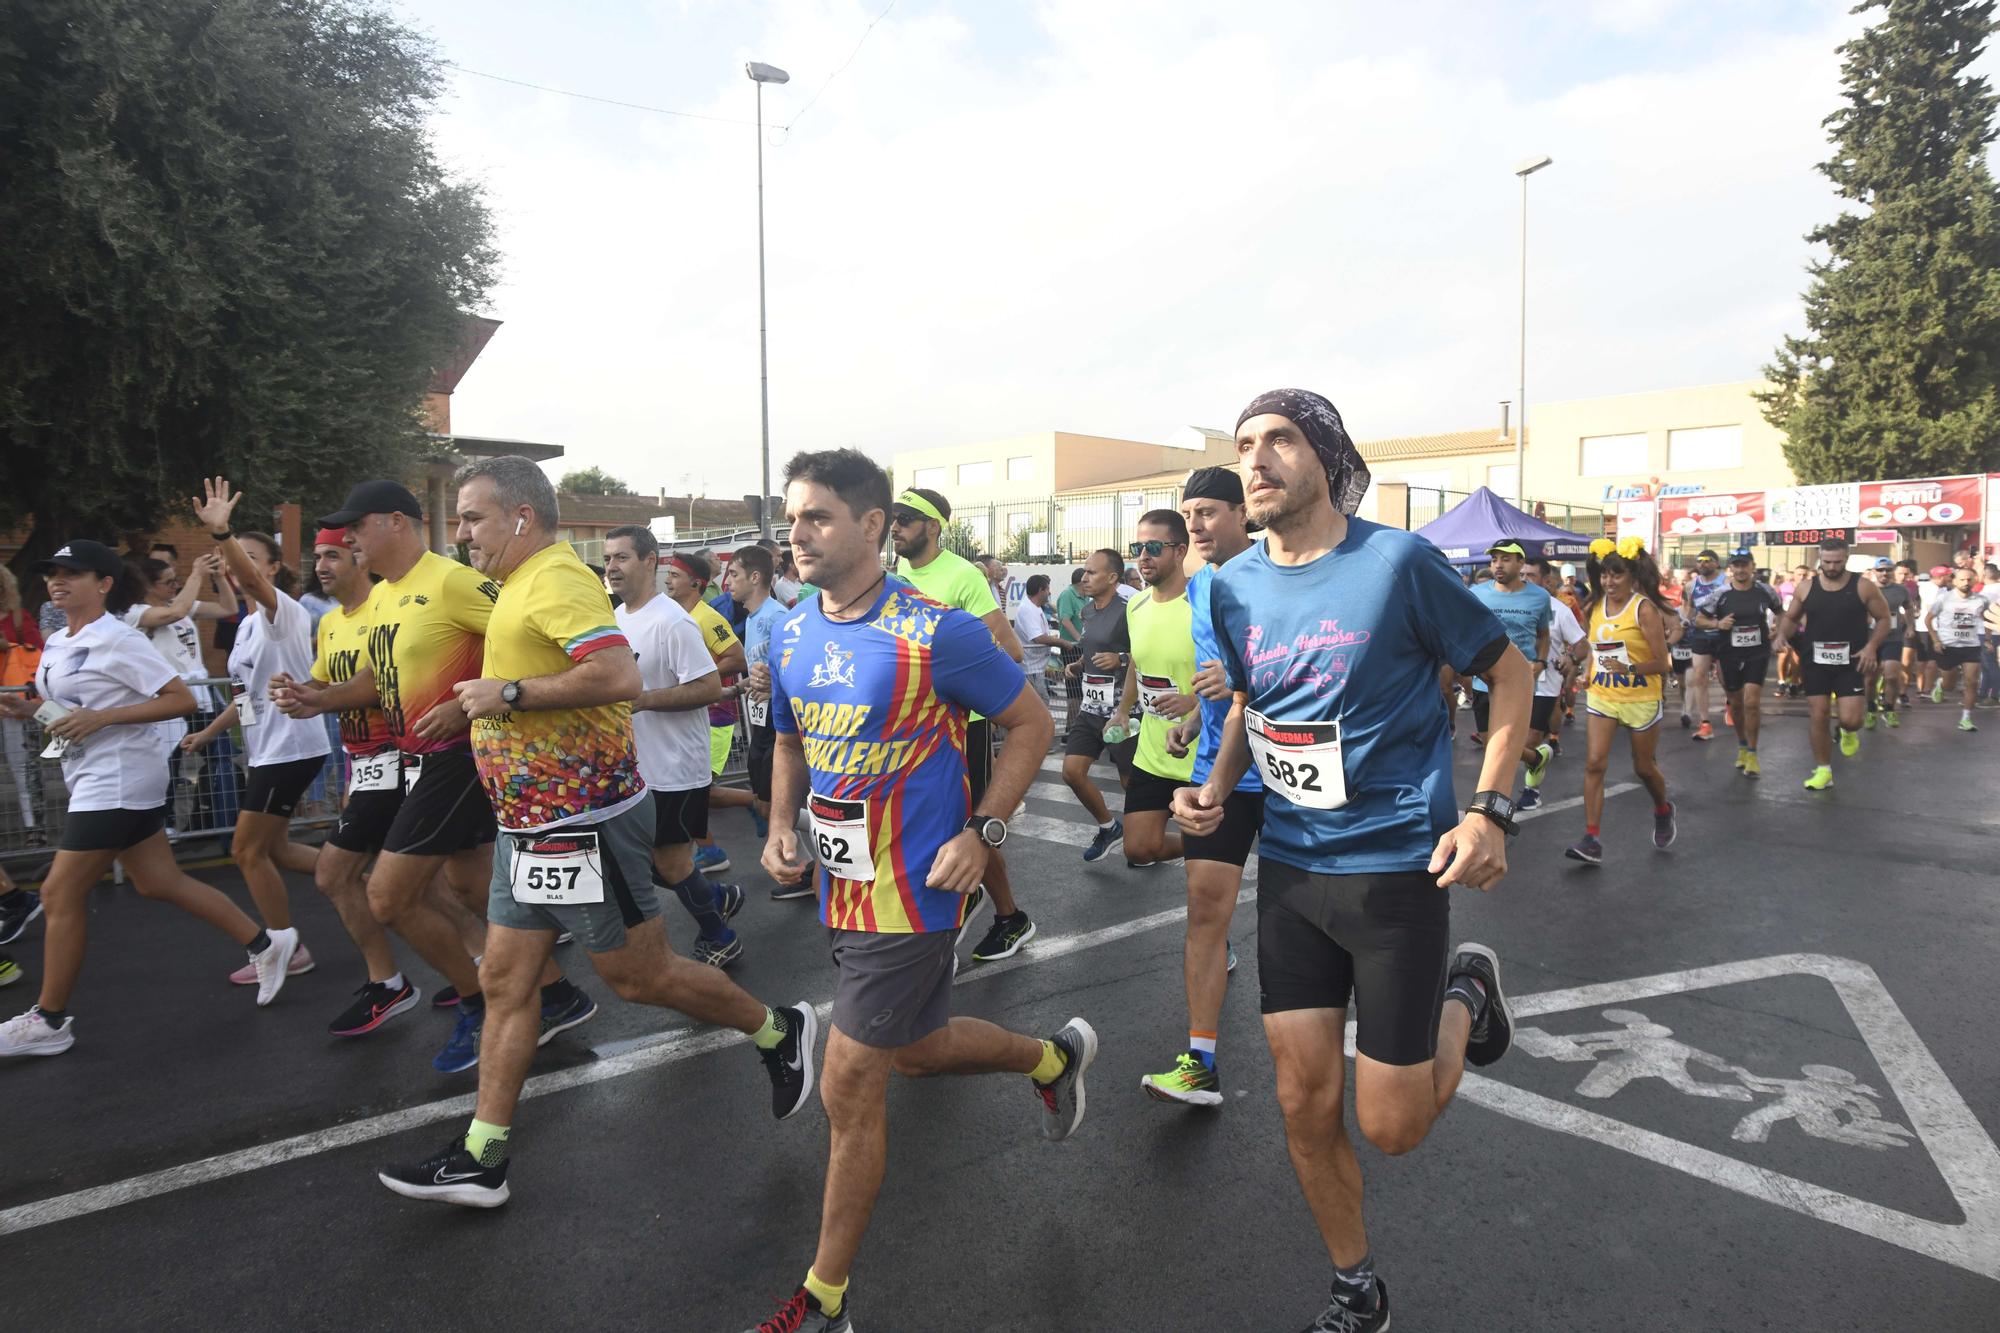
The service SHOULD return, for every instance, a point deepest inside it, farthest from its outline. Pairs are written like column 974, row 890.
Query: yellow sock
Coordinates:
column 487, row 1143
column 1052, row 1063
column 773, row 1031
column 830, row 1297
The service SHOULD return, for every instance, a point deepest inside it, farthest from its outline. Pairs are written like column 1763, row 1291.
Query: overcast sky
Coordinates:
column 1120, row 216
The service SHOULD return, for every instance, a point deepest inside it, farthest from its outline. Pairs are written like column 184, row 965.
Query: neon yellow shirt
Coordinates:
column 1163, row 655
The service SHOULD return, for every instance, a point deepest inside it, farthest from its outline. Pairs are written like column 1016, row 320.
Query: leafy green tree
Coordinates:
column 592, row 481
column 1899, row 372
column 230, row 248
column 956, row 537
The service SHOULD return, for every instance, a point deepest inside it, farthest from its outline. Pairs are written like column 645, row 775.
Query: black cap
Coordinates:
column 373, row 497
column 83, row 557
column 1740, row 557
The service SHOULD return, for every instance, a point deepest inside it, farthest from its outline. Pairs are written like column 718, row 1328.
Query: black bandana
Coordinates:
column 1346, row 475
column 1214, row 483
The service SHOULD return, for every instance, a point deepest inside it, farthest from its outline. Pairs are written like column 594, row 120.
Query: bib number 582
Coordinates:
column 1302, row 776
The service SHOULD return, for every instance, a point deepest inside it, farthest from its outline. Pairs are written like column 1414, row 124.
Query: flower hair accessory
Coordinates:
column 1631, row 547
column 1602, row 547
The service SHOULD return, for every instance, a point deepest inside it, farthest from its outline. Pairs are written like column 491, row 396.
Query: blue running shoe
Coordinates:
column 728, row 899
column 762, row 824
column 561, row 1017
column 462, row 1051
column 1106, row 839
column 708, row 859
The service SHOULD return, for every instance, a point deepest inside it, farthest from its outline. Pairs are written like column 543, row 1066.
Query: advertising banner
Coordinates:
column 1921, row 504
column 1721, row 512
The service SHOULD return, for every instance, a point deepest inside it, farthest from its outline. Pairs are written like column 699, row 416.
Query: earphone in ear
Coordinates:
column 519, row 523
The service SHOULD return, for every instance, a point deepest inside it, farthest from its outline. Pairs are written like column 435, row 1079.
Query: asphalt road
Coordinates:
column 196, row 1162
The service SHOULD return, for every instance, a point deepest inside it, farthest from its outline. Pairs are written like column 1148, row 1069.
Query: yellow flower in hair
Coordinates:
column 1630, row 547
column 1602, row 547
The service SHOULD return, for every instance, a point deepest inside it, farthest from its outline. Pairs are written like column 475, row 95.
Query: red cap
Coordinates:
column 1940, row 572
column 331, row 537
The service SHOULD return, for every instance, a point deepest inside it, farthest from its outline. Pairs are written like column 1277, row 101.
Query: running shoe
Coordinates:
column 710, row 858
column 1937, row 693
column 761, row 823
column 375, row 1003
column 790, row 1062
column 18, row 910
column 1587, row 850
column 1665, row 830
column 1004, row 938
column 1340, row 1317
column 1891, row 719
column 1741, row 753
column 31, row 1034
column 1232, row 959
column 1555, row 742
column 1821, row 779
column 1868, row 721
column 1148, row 865
column 1062, row 1099
column 274, row 965
column 801, row 1314
column 728, row 899
column 445, row 998
column 1728, row 714
column 563, row 1015
column 1704, row 732
column 719, row 953
column 461, row 1050
column 1189, row 1082
column 1750, row 769
column 10, row 971
column 1539, row 769
column 1106, row 839
column 565, row 938
column 453, row 1175
column 1850, row 742
column 1965, row 724
column 973, row 902
column 1530, row 800
column 1686, row 721
column 246, row 975
column 1492, row 1023
column 805, row 886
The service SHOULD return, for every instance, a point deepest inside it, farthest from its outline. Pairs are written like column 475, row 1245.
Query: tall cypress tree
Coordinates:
column 1899, row 374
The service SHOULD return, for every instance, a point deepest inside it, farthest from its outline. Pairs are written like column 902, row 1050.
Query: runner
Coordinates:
column 749, row 575
column 1566, row 651
column 1360, row 834
column 1574, row 653
column 871, row 694
column 1103, row 650
column 917, row 525
column 1936, row 585
column 1886, row 684
column 1954, row 624
column 427, row 618
column 1212, row 504
column 1740, row 616
column 1069, row 623
column 1836, row 608
column 1916, row 644
column 1036, row 636
column 1160, row 679
column 670, row 729
column 1525, row 610
column 111, row 708
column 1629, row 627
column 552, row 731
column 687, row 580
column 167, row 618
column 1703, row 646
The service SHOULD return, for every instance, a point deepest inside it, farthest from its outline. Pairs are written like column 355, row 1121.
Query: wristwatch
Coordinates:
column 991, row 830
column 510, row 694
column 1496, row 806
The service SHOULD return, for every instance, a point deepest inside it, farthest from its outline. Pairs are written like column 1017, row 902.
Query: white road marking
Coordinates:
column 1114, row 798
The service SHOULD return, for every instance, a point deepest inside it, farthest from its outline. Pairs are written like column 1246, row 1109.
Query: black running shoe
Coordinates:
column 17, row 910
column 790, row 1062
column 805, row 886
column 1340, row 1317
column 801, row 1314
column 1492, row 1026
column 375, row 1003
column 728, row 899
column 1004, row 939
column 445, row 998
column 452, row 1176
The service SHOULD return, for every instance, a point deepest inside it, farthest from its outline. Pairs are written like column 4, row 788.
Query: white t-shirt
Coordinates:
column 1958, row 618
column 673, row 747
column 1563, row 631
column 1030, row 622
column 786, row 590
column 108, row 664
column 1126, row 592
column 180, row 643
column 267, row 645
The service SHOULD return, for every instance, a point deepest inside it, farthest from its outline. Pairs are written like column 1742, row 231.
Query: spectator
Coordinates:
column 1031, row 625
column 20, row 654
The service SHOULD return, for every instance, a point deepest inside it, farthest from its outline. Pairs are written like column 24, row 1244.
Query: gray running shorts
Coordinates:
column 624, row 859
column 894, row 990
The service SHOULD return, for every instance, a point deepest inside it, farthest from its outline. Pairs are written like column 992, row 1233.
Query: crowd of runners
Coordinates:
column 533, row 750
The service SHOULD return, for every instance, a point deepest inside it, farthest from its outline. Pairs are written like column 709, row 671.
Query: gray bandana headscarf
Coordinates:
column 1346, row 475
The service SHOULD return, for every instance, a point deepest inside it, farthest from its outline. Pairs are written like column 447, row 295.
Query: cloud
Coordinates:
column 1122, row 218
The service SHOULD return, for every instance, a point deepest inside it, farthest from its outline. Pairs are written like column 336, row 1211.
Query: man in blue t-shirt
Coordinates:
column 752, row 571
column 1526, row 612
column 1333, row 632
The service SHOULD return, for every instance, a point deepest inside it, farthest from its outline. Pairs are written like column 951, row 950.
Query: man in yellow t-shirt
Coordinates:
column 552, row 733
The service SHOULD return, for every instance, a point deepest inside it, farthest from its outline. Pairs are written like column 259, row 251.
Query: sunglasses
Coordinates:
column 1152, row 548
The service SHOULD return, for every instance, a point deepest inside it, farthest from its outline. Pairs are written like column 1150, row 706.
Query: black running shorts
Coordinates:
column 979, row 759
column 445, row 812
column 1382, row 941
column 1540, row 713
column 1147, row 792
column 110, row 830
column 1740, row 669
column 679, row 817
column 1086, row 737
column 1842, row 682
column 365, row 820
column 763, row 741
column 1242, row 817
column 275, row 789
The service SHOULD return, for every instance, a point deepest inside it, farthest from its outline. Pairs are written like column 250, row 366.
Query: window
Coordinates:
column 1501, row 477
column 1613, row 455
column 928, row 478
column 975, row 474
column 1021, row 469
column 1711, row 447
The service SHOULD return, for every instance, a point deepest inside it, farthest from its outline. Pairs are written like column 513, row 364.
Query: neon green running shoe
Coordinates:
column 1741, row 754
column 1821, row 779
column 10, row 972
column 1540, row 768
column 1869, row 721
column 1965, row 724
column 1189, row 1082
column 1937, row 693
column 1850, row 742
column 1891, row 719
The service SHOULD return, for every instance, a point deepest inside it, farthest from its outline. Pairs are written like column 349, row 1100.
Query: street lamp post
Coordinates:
column 1525, row 170
column 761, row 74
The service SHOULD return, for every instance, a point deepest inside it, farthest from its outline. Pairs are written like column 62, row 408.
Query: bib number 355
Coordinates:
column 1299, row 760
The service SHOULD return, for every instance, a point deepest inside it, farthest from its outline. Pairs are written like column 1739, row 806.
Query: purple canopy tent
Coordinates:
column 1465, row 533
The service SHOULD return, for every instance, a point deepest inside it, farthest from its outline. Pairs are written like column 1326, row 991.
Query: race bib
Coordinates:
column 1099, row 693
column 1613, row 651
column 48, row 714
column 1299, row 760
column 557, row 869
column 1152, row 689
column 1831, row 654
column 246, row 707
column 1681, row 653
column 413, row 768
column 840, row 837
column 374, row 772
column 757, row 710
column 1748, row 637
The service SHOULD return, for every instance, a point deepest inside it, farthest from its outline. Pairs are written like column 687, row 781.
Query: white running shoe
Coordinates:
column 30, row 1034
column 273, row 965
column 302, row 963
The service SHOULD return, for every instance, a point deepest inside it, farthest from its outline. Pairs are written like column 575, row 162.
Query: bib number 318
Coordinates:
column 557, row 869
column 1299, row 760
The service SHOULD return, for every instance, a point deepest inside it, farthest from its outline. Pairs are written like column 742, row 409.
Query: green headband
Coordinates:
column 911, row 500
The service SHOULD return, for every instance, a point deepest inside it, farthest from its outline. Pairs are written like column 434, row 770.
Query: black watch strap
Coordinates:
column 1496, row 807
